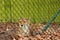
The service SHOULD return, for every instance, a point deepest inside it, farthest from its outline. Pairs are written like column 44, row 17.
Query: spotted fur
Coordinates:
column 24, row 25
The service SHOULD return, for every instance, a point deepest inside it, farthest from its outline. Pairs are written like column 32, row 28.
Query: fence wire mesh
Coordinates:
column 38, row 10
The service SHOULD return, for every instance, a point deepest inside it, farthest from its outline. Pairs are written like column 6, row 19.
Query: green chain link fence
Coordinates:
column 38, row 10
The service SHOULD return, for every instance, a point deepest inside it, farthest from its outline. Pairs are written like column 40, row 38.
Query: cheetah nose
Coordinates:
column 21, row 25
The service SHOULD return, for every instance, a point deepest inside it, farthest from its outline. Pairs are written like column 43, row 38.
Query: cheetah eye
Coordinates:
column 21, row 25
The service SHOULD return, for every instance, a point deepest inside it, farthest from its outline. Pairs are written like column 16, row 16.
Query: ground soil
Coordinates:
column 5, row 35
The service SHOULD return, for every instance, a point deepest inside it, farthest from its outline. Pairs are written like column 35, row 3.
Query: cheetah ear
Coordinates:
column 19, row 18
column 29, row 18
